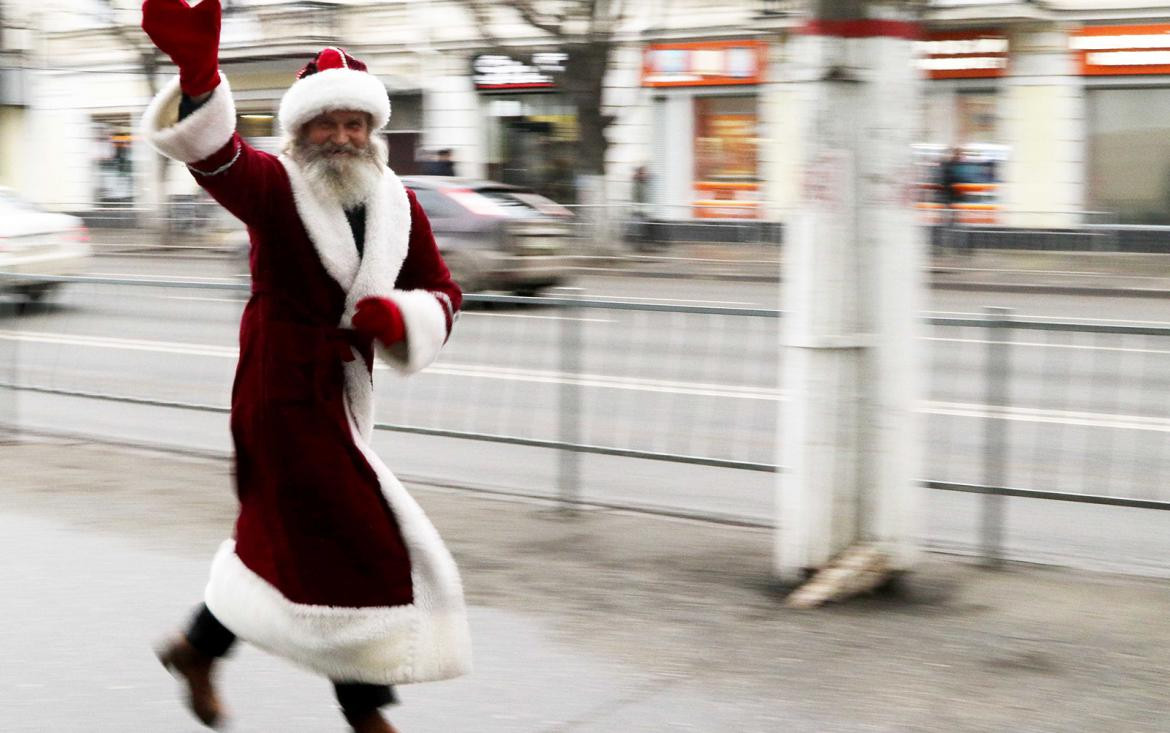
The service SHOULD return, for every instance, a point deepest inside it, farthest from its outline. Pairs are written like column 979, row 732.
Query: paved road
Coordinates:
column 607, row 622
column 1087, row 415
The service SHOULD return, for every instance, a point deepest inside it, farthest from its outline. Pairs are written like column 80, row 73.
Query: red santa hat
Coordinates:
column 333, row 80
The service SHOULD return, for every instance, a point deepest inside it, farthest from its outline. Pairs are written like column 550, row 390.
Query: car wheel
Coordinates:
column 37, row 293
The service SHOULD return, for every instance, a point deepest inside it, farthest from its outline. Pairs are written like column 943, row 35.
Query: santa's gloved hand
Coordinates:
column 190, row 36
column 379, row 318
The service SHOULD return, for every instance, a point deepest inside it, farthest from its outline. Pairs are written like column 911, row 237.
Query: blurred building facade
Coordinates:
column 1060, row 102
column 15, row 90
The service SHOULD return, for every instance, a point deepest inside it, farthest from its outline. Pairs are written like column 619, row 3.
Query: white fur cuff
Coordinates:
column 334, row 89
column 200, row 134
column 426, row 330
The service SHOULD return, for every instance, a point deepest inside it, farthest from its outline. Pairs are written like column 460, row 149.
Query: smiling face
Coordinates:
column 341, row 127
column 341, row 156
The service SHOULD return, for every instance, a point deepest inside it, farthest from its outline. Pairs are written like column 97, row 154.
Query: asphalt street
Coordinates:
column 1086, row 411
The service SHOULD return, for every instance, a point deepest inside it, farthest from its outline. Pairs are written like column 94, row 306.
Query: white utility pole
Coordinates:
column 853, row 263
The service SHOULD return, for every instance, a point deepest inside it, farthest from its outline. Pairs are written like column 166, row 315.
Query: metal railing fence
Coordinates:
column 1017, row 407
column 8, row 359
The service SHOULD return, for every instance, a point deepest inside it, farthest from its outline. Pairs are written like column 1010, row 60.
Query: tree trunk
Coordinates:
column 156, row 219
column 584, row 82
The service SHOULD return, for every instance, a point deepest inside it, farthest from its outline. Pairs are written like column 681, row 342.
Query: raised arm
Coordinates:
column 203, row 134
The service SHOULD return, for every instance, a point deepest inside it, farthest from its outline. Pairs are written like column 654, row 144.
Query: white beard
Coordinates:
column 347, row 180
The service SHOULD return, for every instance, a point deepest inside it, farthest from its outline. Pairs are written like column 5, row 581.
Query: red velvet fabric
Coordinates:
column 313, row 521
column 331, row 58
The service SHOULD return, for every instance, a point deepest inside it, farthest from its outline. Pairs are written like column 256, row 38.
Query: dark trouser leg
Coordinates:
column 208, row 635
column 357, row 698
column 213, row 639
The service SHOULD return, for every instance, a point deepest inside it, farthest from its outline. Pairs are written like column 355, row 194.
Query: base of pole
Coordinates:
column 858, row 569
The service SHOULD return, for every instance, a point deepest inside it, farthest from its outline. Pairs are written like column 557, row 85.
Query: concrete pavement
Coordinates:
column 604, row 622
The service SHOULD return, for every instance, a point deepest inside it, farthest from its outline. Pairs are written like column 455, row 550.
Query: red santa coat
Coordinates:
column 333, row 564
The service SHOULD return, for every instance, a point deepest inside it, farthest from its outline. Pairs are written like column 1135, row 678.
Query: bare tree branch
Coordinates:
column 481, row 11
column 534, row 18
column 136, row 41
column 605, row 17
column 620, row 15
column 583, row 30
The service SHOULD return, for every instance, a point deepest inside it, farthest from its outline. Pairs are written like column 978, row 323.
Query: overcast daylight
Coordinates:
column 583, row 366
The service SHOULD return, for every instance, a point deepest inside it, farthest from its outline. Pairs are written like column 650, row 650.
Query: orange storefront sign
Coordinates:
column 704, row 63
column 1122, row 50
column 981, row 54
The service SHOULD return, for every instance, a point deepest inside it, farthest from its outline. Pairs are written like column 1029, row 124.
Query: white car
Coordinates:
column 36, row 244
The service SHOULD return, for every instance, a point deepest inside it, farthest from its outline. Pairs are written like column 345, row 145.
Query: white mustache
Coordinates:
column 328, row 148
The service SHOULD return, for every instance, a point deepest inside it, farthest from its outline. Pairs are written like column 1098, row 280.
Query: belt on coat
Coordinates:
column 321, row 348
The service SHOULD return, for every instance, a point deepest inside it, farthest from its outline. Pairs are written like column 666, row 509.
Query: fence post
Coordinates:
column 995, row 432
column 569, row 407
column 9, row 310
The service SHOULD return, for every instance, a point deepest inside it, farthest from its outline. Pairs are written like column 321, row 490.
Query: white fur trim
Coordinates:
column 425, row 641
column 359, row 397
column 327, row 227
column 200, row 134
column 426, row 331
column 330, row 90
column 387, row 240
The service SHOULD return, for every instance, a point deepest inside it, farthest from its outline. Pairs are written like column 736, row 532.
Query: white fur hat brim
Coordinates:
column 334, row 89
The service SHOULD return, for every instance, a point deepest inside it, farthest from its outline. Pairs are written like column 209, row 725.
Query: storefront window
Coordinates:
column 532, row 143
column 260, row 130
column 726, row 157
column 1129, row 154
column 976, row 116
column 115, row 170
column 966, row 121
column 962, row 118
column 256, row 125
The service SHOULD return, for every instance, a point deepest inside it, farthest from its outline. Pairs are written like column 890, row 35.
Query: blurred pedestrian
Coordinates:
column 332, row 565
column 952, row 175
column 640, row 190
column 638, row 228
column 442, row 165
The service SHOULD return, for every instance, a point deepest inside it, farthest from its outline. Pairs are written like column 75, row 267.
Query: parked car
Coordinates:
column 38, row 243
column 495, row 236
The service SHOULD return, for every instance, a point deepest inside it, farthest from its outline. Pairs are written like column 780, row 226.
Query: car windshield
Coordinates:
column 519, row 202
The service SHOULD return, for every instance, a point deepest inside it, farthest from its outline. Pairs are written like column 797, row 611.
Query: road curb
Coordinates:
column 1052, row 289
column 975, row 286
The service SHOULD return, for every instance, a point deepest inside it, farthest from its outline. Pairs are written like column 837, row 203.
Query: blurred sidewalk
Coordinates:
column 1088, row 273
column 1074, row 273
column 608, row 622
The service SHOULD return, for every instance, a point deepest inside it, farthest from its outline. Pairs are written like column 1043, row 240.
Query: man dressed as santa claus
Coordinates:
column 332, row 565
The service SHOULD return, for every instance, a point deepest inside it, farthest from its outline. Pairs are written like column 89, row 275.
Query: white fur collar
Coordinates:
column 386, row 243
column 388, row 223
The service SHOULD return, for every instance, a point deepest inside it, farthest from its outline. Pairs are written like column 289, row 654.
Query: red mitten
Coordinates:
column 381, row 319
column 190, row 36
